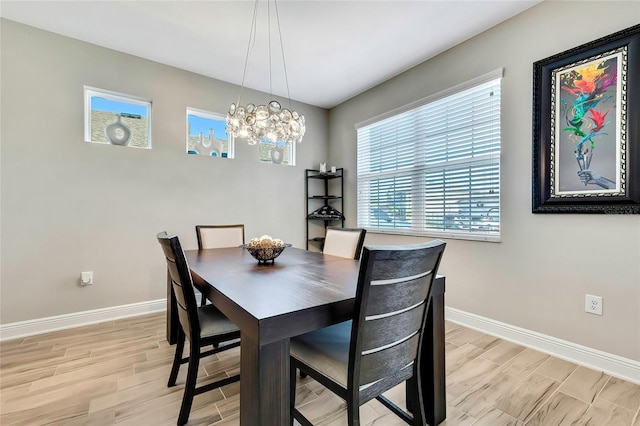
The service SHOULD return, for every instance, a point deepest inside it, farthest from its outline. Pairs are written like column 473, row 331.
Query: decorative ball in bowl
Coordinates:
column 265, row 249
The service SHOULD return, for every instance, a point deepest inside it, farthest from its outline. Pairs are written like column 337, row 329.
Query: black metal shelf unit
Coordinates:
column 322, row 199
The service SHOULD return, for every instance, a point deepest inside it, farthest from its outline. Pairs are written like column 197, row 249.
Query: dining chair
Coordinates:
column 218, row 236
column 362, row 358
column 344, row 242
column 203, row 326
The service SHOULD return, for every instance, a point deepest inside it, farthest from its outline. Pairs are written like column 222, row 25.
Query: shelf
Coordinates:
column 324, row 218
column 328, row 188
column 325, row 176
column 315, row 174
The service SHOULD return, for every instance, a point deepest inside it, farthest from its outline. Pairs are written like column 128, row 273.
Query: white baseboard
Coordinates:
column 614, row 365
column 60, row 322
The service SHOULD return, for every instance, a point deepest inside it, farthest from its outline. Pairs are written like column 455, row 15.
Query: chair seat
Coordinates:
column 325, row 350
column 214, row 323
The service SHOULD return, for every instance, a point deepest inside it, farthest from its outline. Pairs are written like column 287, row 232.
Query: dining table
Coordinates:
column 299, row 292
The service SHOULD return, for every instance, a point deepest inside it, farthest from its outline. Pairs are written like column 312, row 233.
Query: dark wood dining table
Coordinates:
column 300, row 292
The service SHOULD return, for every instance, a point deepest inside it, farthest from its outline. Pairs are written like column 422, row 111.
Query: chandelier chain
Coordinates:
column 270, row 122
column 284, row 62
column 269, row 44
column 250, row 44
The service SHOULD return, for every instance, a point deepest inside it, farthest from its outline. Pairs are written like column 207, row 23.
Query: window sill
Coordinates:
column 470, row 236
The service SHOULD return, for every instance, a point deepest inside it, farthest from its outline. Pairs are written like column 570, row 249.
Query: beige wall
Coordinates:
column 70, row 206
column 537, row 277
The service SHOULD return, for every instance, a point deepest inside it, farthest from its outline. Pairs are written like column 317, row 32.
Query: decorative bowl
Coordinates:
column 265, row 250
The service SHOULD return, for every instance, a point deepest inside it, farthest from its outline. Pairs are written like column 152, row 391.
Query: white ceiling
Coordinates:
column 334, row 50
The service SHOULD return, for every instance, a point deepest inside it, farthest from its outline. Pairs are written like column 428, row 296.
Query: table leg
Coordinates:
column 264, row 383
column 433, row 360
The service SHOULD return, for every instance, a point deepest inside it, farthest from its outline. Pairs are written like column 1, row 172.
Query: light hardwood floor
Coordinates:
column 116, row 373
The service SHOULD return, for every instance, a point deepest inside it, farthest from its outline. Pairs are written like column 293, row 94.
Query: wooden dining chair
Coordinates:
column 360, row 359
column 203, row 326
column 218, row 236
column 344, row 242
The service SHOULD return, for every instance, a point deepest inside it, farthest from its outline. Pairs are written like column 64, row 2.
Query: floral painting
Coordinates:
column 586, row 137
column 588, row 144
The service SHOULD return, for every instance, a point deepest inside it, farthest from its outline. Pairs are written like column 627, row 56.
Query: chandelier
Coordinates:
column 271, row 122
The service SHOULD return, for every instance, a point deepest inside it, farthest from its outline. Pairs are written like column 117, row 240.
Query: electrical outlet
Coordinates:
column 86, row 278
column 593, row 304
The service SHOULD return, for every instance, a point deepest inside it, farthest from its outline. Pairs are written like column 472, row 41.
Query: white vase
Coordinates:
column 117, row 132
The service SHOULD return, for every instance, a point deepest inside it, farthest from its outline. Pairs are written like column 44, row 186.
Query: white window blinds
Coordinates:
column 434, row 169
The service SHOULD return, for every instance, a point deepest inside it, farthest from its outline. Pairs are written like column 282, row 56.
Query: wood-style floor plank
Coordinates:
column 115, row 373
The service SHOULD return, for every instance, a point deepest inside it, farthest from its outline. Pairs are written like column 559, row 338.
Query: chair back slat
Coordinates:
column 181, row 284
column 413, row 263
column 398, row 295
column 380, row 332
column 173, row 273
column 387, row 362
column 394, row 291
column 374, row 389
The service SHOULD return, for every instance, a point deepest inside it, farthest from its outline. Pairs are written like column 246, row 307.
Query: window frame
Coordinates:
column 210, row 116
column 90, row 92
column 291, row 147
column 415, row 175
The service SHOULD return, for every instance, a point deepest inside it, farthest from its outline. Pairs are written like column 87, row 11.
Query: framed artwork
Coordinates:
column 586, row 128
column 206, row 134
column 112, row 118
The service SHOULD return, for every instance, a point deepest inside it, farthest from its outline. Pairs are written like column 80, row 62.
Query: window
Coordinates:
column 433, row 168
column 207, row 135
column 116, row 119
column 277, row 152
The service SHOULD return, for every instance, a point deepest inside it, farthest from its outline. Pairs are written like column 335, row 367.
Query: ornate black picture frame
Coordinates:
column 586, row 128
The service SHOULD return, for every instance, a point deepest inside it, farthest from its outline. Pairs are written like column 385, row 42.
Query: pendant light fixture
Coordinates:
column 271, row 121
